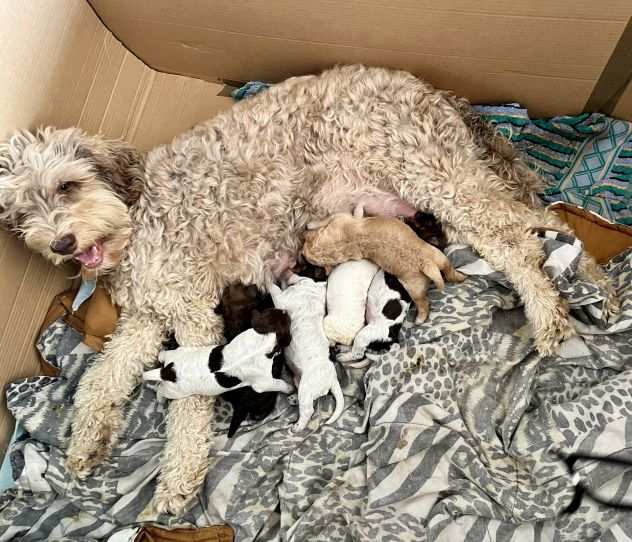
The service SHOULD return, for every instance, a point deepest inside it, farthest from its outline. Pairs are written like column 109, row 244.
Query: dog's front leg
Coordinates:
column 185, row 457
column 105, row 387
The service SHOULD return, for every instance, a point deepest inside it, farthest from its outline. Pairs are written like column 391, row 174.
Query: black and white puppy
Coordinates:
column 248, row 360
column 238, row 305
column 386, row 307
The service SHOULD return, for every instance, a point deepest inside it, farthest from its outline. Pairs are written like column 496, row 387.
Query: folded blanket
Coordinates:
column 456, row 434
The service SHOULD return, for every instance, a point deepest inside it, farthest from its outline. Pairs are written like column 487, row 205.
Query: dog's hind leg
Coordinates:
column 589, row 270
column 185, row 457
column 103, row 389
column 499, row 229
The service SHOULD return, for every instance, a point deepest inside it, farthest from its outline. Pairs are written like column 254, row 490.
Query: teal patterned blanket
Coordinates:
column 586, row 159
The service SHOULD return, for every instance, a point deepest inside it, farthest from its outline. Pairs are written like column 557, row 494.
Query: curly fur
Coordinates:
column 224, row 200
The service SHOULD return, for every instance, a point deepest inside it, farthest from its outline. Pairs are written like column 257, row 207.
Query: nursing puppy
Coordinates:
column 238, row 306
column 428, row 228
column 248, row 360
column 387, row 242
column 308, row 353
column 386, row 307
column 347, row 288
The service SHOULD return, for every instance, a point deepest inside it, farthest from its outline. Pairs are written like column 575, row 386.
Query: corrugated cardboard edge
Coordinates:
column 615, row 77
column 590, row 228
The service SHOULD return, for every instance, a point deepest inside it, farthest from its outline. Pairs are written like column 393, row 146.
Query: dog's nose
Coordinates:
column 64, row 245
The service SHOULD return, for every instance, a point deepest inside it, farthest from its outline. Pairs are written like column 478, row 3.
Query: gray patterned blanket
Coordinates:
column 457, row 434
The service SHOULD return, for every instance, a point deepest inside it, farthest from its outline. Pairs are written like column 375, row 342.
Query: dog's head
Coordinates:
column 68, row 194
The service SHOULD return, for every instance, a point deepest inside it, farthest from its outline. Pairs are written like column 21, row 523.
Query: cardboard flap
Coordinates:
column 546, row 55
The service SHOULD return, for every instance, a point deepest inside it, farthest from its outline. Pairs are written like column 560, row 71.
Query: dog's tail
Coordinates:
column 336, row 391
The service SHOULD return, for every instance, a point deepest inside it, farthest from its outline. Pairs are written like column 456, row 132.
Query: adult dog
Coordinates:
column 230, row 198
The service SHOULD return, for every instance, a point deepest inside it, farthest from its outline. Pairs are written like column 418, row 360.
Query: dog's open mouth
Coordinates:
column 92, row 256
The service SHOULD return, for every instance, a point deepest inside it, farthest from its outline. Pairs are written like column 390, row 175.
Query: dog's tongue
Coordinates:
column 91, row 257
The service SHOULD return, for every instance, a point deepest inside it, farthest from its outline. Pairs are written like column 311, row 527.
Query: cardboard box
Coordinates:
column 61, row 64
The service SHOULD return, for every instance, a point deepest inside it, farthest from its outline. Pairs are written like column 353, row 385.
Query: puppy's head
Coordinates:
column 305, row 269
column 428, row 228
column 327, row 244
column 68, row 194
column 273, row 321
column 236, row 306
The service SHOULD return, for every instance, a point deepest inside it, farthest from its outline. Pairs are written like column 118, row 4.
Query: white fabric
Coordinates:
column 347, row 288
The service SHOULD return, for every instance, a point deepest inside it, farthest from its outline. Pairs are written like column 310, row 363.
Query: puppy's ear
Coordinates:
column 219, row 309
column 115, row 163
column 257, row 321
column 252, row 291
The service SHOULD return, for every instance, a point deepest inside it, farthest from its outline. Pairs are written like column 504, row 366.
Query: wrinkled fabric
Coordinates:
column 456, row 434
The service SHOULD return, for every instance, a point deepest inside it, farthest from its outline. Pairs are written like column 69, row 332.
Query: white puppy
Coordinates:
column 212, row 370
column 347, row 288
column 308, row 352
column 386, row 307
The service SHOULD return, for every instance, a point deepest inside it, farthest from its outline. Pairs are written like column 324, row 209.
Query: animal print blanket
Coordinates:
column 458, row 434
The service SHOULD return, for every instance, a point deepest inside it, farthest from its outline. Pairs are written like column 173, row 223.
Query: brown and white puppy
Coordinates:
column 387, row 242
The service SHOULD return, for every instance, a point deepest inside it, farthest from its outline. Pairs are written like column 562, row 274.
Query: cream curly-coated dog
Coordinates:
column 230, row 198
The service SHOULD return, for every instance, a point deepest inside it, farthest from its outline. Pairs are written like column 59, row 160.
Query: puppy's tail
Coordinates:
column 336, row 391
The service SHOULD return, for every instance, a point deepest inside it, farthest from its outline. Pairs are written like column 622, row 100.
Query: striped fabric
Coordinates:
column 586, row 159
column 456, row 434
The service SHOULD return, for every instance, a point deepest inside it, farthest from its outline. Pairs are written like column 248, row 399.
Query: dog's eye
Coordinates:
column 65, row 186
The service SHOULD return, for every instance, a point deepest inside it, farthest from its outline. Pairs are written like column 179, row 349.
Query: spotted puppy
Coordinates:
column 239, row 304
column 308, row 352
column 387, row 305
column 248, row 360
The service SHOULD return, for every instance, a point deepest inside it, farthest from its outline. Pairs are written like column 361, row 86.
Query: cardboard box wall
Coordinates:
column 60, row 65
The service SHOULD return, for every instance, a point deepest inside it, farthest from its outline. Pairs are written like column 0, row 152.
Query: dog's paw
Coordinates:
column 554, row 331
column 165, row 501
column 83, row 458
column 94, row 433
column 612, row 304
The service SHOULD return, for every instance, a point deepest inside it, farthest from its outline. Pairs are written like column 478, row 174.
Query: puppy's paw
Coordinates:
column 345, row 357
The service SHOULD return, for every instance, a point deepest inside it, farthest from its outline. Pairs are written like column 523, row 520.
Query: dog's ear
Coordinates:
column 11, row 153
column 115, row 163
